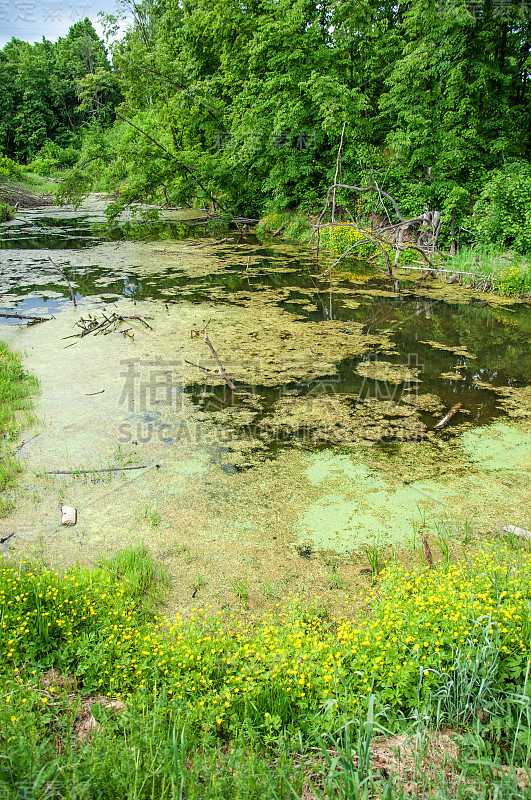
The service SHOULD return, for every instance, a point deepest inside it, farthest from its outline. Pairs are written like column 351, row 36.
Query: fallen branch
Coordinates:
column 6, row 538
column 427, row 553
column 220, row 365
column 379, row 240
column 33, row 320
column 24, row 199
column 84, row 470
column 453, row 411
column 107, row 325
column 63, row 273
column 142, row 319
column 192, row 364
column 210, row 346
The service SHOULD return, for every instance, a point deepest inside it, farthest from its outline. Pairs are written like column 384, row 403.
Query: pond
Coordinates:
column 325, row 445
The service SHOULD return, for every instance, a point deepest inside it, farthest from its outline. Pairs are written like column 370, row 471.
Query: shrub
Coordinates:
column 502, row 215
column 339, row 238
column 9, row 168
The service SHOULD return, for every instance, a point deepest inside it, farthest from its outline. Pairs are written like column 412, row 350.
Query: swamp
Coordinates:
column 315, row 451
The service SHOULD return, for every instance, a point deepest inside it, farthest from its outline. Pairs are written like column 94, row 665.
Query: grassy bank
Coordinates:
column 103, row 697
column 16, row 387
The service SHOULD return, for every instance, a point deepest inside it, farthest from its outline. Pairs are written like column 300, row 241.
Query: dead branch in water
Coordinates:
column 32, row 320
column 63, row 273
column 193, row 364
column 107, row 325
column 89, row 470
column 210, row 346
column 453, row 411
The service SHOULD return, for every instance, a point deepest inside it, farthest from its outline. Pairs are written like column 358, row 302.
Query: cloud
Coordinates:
column 30, row 20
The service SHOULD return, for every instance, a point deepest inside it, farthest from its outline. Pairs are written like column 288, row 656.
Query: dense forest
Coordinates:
column 242, row 104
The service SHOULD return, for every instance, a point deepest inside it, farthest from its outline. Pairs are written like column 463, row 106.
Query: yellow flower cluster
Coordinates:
column 514, row 279
column 294, row 658
column 337, row 239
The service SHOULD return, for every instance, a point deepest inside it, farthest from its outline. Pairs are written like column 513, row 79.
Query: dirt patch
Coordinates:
column 60, row 692
column 86, row 724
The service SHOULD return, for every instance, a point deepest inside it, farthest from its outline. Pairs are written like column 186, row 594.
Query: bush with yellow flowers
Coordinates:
column 514, row 279
column 337, row 239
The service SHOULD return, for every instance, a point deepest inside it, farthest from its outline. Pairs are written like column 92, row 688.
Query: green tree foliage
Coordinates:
column 242, row 104
column 457, row 100
column 503, row 212
column 39, row 101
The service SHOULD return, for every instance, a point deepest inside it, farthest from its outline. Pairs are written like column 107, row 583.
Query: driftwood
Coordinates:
column 453, row 411
column 84, row 470
column 210, row 346
column 427, row 553
column 32, row 319
column 522, row 533
column 107, row 325
column 63, row 273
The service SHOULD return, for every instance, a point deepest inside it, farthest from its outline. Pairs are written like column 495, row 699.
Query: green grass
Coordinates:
column 507, row 272
column 231, row 705
column 31, row 182
column 138, row 572
column 16, row 388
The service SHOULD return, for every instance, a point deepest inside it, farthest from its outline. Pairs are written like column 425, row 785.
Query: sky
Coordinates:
column 30, row 20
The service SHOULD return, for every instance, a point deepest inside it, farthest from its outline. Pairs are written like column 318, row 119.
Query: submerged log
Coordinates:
column 453, row 411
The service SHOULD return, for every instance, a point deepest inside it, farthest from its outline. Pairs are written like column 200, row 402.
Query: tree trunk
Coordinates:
column 452, row 235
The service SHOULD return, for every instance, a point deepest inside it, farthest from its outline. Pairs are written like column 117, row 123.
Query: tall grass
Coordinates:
column 507, row 272
column 138, row 573
column 16, row 387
